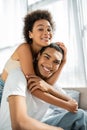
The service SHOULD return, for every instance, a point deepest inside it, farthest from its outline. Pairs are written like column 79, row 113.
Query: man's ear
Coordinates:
column 38, row 56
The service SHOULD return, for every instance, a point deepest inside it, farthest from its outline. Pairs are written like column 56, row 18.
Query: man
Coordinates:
column 26, row 109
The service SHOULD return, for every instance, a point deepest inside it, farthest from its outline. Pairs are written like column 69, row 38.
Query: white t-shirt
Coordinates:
column 16, row 84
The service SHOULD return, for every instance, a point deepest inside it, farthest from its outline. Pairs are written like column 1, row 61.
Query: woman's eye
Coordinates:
column 49, row 30
column 40, row 29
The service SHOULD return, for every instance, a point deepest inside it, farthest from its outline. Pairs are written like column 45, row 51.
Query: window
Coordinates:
column 11, row 23
column 30, row 2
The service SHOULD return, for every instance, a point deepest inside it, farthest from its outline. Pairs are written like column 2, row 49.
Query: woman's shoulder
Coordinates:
column 24, row 46
column 21, row 49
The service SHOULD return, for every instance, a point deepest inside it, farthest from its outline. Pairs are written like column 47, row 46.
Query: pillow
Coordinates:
column 74, row 94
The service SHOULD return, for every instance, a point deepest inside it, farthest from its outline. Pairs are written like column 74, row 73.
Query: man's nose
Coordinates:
column 50, row 65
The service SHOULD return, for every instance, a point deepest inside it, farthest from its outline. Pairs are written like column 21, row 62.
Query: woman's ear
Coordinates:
column 30, row 34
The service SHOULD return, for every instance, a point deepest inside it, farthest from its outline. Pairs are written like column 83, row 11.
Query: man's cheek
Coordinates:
column 56, row 68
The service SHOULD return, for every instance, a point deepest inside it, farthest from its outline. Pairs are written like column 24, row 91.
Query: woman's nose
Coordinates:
column 46, row 31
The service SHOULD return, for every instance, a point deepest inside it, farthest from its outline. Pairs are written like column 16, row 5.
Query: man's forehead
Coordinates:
column 52, row 52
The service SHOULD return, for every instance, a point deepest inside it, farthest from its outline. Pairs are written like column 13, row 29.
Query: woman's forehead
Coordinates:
column 42, row 22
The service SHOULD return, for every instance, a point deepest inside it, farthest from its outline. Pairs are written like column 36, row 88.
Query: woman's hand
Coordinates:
column 61, row 45
column 72, row 106
column 35, row 82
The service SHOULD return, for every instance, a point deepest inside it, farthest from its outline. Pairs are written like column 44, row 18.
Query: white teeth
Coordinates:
column 46, row 69
column 45, row 39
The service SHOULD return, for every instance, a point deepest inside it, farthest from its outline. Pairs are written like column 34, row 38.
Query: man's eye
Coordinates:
column 46, row 57
column 57, row 62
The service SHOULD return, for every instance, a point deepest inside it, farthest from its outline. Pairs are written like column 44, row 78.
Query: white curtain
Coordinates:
column 82, row 5
column 75, row 70
column 74, row 74
column 12, row 13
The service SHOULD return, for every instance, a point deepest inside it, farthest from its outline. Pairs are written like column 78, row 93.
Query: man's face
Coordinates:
column 48, row 62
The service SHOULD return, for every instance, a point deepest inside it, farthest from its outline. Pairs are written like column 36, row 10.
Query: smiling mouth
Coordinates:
column 46, row 72
column 45, row 39
column 46, row 69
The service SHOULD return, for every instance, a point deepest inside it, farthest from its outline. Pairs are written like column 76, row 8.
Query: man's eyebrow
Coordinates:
column 46, row 54
column 59, row 61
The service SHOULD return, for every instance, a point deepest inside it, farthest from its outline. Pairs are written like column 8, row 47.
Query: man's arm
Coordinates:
column 19, row 118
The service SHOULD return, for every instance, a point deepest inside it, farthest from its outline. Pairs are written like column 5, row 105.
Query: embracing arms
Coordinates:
column 46, row 92
column 27, row 68
column 35, row 82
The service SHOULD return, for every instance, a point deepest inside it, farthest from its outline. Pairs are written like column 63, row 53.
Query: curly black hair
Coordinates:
column 31, row 18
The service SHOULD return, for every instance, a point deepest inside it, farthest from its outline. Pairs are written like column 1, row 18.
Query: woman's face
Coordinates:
column 41, row 33
column 48, row 62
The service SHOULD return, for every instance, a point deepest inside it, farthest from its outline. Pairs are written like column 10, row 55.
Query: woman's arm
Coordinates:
column 46, row 92
column 70, row 105
column 26, row 59
column 55, row 76
column 36, row 82
column 19, row 118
